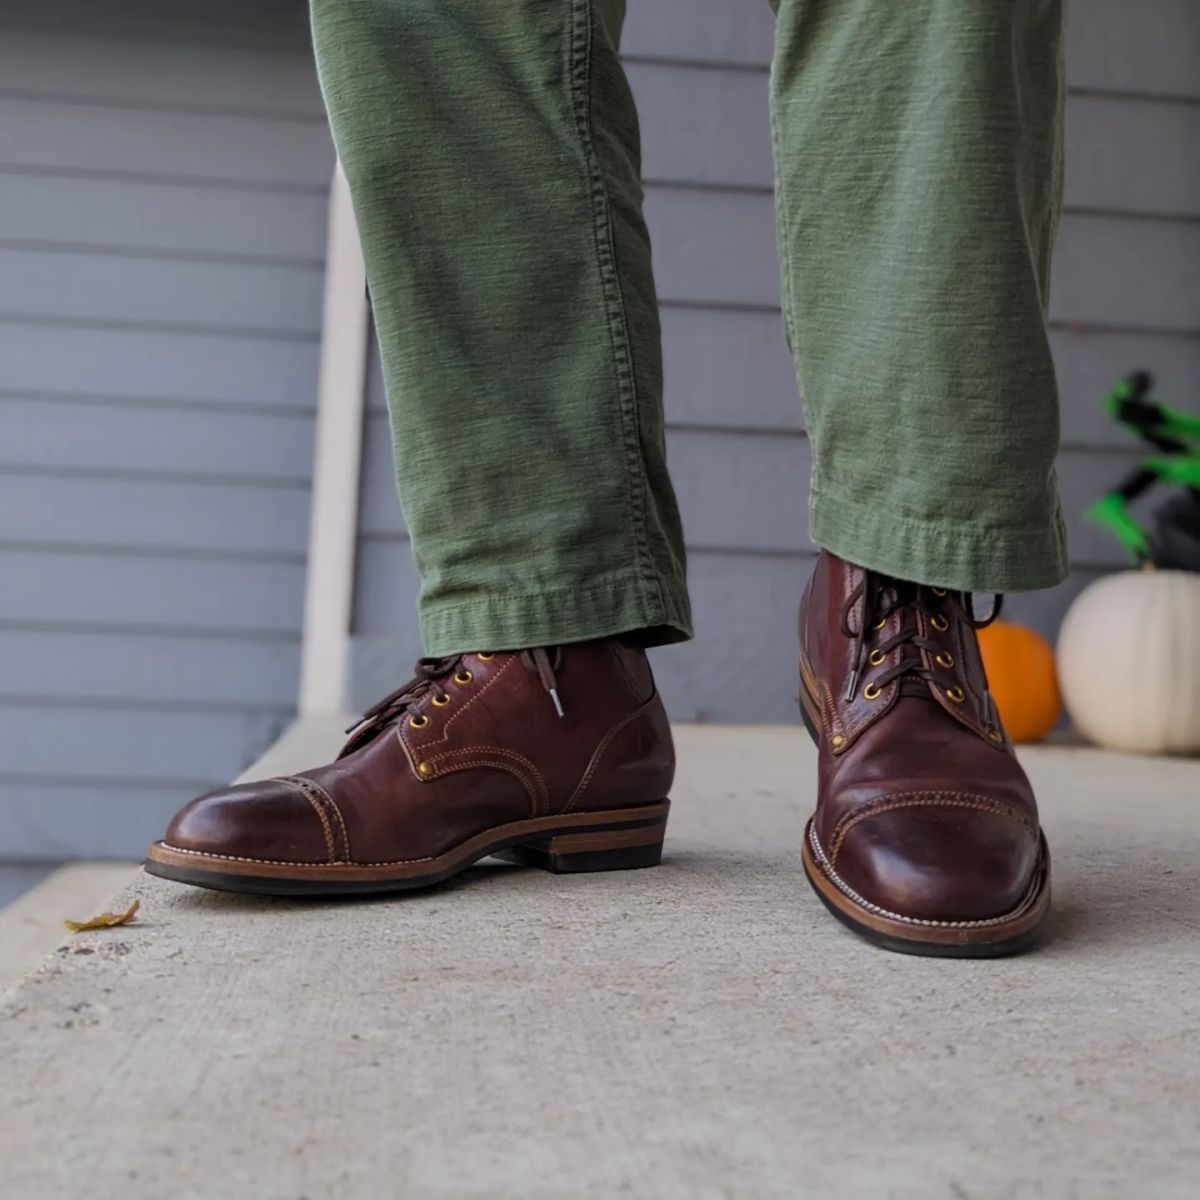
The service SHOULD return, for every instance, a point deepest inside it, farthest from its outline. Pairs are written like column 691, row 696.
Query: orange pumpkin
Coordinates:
column 1022, row 677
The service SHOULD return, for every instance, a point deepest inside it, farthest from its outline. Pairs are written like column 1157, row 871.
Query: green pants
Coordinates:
column 493, row 155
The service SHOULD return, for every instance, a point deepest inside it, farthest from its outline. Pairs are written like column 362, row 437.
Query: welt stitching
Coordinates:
column 277, row 862
column 921, row 800
column 274, row 862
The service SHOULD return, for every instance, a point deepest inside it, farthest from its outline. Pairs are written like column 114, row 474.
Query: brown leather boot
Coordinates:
column 926, row 837
column 560, row 759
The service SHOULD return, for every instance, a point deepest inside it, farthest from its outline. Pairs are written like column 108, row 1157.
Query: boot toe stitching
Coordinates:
column 902, row 800
column 333, row 825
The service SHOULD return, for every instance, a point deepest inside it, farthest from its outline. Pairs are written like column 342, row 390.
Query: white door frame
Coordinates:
column 333, row 528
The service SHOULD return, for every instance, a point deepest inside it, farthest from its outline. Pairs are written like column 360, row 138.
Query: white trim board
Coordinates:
column 329, row 584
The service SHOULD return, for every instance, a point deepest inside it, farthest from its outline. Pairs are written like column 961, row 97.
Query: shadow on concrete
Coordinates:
column 486, row 871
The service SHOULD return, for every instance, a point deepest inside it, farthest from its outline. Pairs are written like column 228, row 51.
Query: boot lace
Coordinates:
column 883, row 596
column 428, row 682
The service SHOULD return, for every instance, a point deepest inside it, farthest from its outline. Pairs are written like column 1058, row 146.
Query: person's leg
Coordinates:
column 492, row 151
column 918, row 150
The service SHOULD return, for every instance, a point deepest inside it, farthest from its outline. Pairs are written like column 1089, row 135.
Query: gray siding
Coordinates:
column 1126, row 294
column 164, row 174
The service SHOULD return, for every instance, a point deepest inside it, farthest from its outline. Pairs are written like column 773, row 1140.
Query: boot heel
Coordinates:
column 600, row 850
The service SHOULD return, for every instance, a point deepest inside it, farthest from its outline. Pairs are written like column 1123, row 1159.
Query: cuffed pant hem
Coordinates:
column 974, row 557
column 601, row 608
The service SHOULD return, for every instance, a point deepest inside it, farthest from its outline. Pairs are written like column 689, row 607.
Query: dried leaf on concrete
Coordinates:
column 105, row 920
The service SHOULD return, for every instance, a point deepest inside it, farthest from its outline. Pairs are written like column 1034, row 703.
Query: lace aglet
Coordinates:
column 852, row 686
column 558, row 708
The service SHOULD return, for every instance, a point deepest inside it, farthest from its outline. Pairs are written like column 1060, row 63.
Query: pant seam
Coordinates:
column 615, row 313
column 782, row 220
column 787, row 302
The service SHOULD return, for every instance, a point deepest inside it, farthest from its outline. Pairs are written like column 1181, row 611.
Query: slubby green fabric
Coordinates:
column 493, row 155
column 918, row 150
column 493, row 158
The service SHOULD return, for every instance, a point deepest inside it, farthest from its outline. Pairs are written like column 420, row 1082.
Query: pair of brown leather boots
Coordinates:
column 925, row 838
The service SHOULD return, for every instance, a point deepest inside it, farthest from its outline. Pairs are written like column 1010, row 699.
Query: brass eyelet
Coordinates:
column 995, row 735
column 876, row 658
column 441, row 701
column 881, row 623
column 956, row 694
column 484, row 657
column 944, row 660
column 462, row 678
column 871, row 692
column 938, row 591
column 425, row 769
column 419, row 721
column 939, row 622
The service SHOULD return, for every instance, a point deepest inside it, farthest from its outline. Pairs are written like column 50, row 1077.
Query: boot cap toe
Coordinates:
column 934, row 859
column 270, row 821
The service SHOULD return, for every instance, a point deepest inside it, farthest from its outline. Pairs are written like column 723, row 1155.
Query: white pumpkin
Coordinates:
column 1129, row 662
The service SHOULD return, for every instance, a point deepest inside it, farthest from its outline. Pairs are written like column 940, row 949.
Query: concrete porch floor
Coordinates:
column 699, row 1030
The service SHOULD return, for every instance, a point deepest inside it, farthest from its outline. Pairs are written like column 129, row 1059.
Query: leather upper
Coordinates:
column 414, row 782
column 923, row 809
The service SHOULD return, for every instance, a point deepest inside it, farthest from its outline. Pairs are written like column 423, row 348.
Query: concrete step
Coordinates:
column 32, row 925
column 699, row 1030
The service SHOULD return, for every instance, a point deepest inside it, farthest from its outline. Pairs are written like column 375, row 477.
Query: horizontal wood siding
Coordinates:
column 1126, row 294
column 1149, row 49
column 164, row 171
